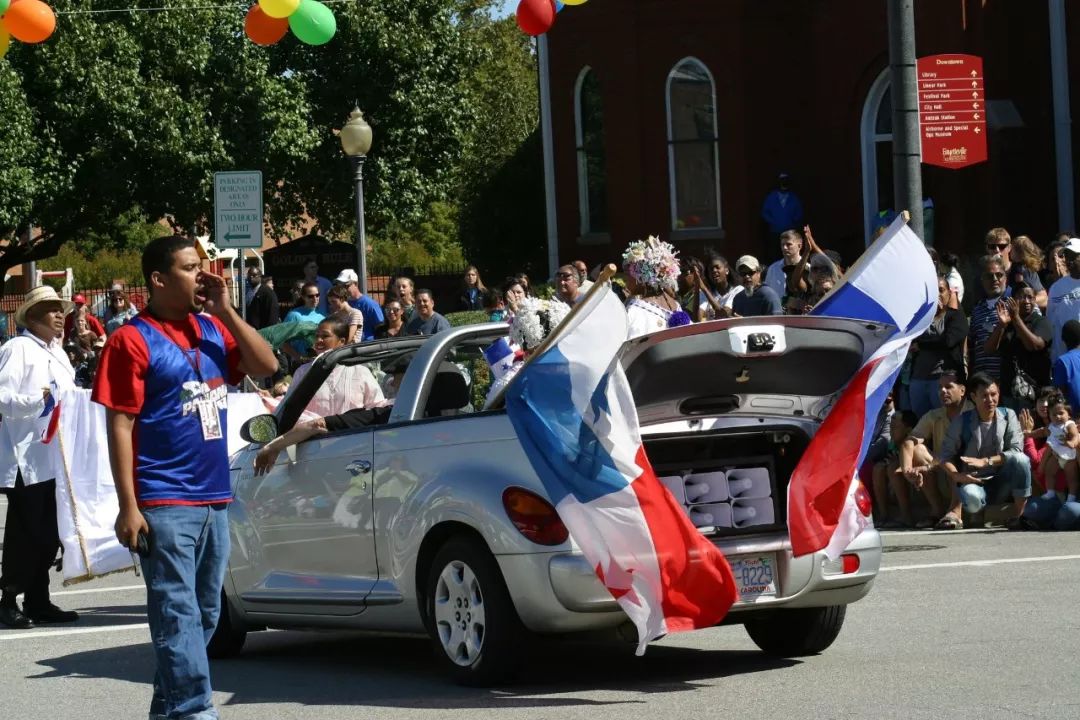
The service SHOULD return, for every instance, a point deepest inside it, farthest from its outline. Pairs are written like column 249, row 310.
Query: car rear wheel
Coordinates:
column 228, row 639
column 471, row 618
column 793, row 633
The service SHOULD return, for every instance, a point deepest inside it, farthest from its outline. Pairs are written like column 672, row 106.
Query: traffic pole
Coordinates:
column 907, row 167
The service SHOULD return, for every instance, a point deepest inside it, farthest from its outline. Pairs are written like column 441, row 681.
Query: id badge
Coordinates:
column 210, row 420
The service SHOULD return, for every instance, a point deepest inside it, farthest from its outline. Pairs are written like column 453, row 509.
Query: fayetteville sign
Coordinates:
column 952, row 110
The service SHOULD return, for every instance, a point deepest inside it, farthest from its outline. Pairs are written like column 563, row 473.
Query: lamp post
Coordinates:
column 356, row 141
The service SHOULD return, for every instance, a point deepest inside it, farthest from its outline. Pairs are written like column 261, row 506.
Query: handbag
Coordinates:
column 1023, row 385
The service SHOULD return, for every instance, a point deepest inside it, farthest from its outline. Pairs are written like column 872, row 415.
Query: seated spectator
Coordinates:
column 984, row 317
column 337, row 302
column 1034, row 426
column 395, row 320
column 1047, row 511
column 755, row 299
column 1062, row 439
column 917, row 462
column 119, row 311
column 983, row 452
column 886, row 474
column 426, row 321
column 1022, row 338
column 472, row 290
column 1066, row 373
column 938, row 350
column 567, row 286
column 347, row 387
column 1025, row 261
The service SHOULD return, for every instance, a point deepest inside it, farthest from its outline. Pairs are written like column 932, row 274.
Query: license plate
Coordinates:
column 755, row 577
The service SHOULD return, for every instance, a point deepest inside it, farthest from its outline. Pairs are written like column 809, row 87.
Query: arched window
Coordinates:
column 877, row 150
column 693, row 155
column 591, row 160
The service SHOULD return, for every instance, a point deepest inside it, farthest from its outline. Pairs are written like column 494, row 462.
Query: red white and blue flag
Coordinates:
column 894, row 283
column 575, row 418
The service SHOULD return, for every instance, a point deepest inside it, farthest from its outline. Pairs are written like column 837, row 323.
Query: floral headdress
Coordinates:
column 653, row 263
column 534, row 319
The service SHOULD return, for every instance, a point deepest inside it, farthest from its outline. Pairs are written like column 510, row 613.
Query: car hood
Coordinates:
column 777, row 365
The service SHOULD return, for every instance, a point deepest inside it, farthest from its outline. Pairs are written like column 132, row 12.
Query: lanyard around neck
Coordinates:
column 196, row 364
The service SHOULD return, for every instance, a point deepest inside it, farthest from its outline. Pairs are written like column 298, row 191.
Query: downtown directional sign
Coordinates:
column 238, row 209
column 952, row 110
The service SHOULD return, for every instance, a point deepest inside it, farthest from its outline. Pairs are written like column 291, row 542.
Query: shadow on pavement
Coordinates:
column 350, row 669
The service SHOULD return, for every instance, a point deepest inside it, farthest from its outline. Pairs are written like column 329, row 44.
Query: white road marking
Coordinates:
column 17, row 635
column 981, row 563
column 88, row 591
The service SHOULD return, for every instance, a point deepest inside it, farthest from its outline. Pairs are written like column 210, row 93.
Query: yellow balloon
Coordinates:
column 279, row 8
column 573, row 2
column 5, row 40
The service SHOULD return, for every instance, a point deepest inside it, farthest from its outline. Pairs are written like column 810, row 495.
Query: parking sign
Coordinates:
column 238, row 209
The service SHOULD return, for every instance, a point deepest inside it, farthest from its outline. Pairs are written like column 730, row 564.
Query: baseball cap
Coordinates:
column 1073, row 245
column 748, row 261
column 79, row 299
column 347, row 276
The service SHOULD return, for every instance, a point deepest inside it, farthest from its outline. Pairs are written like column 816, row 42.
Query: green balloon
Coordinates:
column 313, row 23
column 4, row 5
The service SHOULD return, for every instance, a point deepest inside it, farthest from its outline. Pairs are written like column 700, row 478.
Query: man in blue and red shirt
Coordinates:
column 162, row 379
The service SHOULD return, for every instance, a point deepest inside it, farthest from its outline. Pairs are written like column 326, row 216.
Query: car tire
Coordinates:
column 798, row 632
column 478, row 649
column 228, row 639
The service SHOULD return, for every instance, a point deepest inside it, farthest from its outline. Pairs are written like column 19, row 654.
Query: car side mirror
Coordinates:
column 260, row 429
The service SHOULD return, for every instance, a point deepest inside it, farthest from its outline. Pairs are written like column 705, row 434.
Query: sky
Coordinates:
column 508, row 8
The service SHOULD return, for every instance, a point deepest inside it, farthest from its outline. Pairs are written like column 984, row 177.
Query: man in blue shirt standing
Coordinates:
column 782, row 209
column 1067, row 367
column 373, row 315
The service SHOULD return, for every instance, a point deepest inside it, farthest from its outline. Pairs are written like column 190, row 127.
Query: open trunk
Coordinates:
column 727, row 408
column 731, row 482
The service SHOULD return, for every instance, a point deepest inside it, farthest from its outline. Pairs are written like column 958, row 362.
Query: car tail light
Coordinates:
column 862, row 500
column 851, row 563
column 534, row 517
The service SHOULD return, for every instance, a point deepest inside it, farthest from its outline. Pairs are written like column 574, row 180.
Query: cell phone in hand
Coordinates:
column 142, row 544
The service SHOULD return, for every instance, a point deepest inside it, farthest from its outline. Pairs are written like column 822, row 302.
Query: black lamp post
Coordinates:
column 356, row 142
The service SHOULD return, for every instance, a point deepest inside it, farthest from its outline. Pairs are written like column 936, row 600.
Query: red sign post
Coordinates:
column 952, row 110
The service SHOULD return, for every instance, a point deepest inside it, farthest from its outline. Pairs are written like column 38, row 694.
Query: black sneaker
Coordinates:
column 13, row 617
column 51, row 614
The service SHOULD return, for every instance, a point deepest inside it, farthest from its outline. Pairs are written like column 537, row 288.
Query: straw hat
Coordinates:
column 43, row 293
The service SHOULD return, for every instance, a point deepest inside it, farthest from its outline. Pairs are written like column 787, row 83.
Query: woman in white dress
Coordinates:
column 652, row 278
column 347, row 387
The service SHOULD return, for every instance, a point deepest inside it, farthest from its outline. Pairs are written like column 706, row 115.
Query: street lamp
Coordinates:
column 356, row 141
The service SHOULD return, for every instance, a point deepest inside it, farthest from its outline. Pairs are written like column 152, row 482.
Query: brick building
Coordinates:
column 674, row 117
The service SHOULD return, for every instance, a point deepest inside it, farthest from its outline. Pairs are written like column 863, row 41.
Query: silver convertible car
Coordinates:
column 431, row 520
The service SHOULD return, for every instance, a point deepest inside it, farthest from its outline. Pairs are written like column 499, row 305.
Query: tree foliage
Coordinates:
column 122, row 116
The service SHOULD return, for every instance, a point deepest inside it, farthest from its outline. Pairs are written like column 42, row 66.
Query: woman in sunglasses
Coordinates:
column 119, row 311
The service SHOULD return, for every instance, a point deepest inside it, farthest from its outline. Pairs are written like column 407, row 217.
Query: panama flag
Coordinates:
column 575, row 418
column 894, row 283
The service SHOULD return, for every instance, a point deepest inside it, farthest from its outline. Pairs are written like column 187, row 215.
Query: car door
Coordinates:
column 310, row 547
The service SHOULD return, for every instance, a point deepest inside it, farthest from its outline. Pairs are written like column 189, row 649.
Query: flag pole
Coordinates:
column 602, row 284
column 906, row 214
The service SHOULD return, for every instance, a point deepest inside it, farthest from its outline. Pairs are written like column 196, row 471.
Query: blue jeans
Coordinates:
column 924, row 396
column 189, row 553
column 1012, row 479
column 1050, row 513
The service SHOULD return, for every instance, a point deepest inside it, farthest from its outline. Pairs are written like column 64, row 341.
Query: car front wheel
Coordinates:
column 228, row 639
column 471, row 617
column 797, row 632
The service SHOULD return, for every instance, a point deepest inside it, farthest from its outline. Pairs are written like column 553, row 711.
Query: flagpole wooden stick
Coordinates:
column 602, row 284
column 906, row 215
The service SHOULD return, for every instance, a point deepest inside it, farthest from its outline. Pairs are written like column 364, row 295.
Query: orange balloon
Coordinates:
column 30, row 21
column 261, row 28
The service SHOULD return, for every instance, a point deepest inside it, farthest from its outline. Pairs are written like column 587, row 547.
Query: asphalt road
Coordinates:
column 975, row 624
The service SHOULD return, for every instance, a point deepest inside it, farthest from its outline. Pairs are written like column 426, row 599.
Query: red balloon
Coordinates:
column 263, row 29
column 30, row 21
column 535, row 17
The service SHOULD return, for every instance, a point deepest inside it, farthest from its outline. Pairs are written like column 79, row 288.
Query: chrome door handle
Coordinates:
column 359, row 467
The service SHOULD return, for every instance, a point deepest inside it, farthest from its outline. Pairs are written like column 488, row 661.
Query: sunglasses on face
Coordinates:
column 393, row 309
column 746, row 272
column 994, row 275
column 999, row 248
